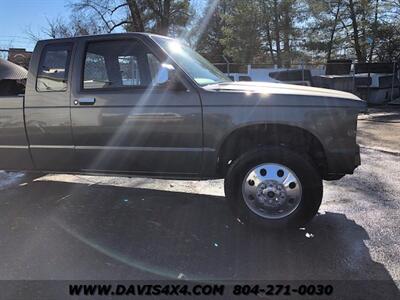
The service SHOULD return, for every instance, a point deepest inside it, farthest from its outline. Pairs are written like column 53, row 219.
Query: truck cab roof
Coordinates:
column 104, row 36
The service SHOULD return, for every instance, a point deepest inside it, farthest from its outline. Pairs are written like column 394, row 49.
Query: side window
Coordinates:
column 53, row 68
column 159, row 74
column 129, row 68
column 119, row 64
column 95, row 72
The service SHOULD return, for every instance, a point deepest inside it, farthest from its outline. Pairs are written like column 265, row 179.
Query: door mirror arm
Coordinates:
column 173, row 84
column 176, row 85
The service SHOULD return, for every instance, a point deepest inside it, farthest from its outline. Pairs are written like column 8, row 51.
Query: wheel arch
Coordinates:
column 251, row 136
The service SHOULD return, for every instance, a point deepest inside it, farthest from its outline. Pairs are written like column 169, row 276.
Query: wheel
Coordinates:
column 274, row 187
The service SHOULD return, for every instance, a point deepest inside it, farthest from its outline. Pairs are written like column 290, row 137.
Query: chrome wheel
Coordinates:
column 272, row 191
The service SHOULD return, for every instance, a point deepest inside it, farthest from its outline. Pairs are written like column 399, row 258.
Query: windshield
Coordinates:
column 196, row 66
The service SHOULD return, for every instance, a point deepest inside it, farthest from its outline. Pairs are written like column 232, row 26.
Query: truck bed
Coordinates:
column 13, row 138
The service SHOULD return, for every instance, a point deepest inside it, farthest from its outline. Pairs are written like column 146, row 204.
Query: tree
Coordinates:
column 387, row 48
column 325, row 31
column 352, row 25
column 360, row 52
column 159, row 16
column 61, row 28
column 107, row 13
column 333, row 30
column 266, row 32
column 374, row 31
column 279, row 33
column 167, row 14
column 240, row 33
column 259, row 31
column 252, row 32
column 276, row 22
column 211, row 25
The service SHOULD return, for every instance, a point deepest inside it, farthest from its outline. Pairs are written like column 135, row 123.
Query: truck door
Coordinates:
column 47, row 111
column 126, row 119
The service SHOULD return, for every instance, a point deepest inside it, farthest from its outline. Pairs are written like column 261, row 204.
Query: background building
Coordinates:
column 19, row 56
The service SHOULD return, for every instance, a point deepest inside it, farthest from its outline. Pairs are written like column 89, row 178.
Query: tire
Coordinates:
column 296, row 202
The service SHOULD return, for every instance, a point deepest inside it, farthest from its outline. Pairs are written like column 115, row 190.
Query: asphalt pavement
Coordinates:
column 380, row 129
column 92, row 227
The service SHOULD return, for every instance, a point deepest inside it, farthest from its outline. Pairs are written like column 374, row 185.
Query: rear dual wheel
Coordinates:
column 274, row 187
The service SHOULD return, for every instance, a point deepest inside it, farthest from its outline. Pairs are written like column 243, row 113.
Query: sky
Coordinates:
column 17, row 16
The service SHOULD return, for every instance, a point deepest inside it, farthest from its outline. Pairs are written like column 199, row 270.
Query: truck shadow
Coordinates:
column 76, row 231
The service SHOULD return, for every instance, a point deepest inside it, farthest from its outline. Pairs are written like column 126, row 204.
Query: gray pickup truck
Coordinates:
column 143, row 104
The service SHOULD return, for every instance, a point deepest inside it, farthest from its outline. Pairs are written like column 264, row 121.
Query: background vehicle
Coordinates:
column 147, row 105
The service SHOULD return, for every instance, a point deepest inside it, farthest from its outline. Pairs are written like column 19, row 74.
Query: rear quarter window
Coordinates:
column 53, row 68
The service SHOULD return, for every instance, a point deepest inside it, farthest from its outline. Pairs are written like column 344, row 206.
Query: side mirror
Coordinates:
column 175, row 84
column 168, row 78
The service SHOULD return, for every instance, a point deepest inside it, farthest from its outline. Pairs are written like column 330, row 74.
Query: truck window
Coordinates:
column 129, row 69
column 118, row 64
column 95, row 71
column 53, row 68
column 158, row 73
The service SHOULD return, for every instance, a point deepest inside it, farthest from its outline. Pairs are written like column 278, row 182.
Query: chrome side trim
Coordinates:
column 163, row 149
column 51, row 147
column 13, row 147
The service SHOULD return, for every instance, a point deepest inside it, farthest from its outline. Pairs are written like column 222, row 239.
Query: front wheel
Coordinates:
column 274, row 187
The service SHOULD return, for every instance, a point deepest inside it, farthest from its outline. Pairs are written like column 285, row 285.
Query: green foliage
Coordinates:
column 163, row 17
column 256, row 31
column 279, row 32
column 240, row 39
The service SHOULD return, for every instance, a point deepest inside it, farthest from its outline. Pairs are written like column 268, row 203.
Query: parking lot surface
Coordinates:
column 93, row 227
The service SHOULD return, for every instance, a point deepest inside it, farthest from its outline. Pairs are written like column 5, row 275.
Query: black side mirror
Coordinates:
column 175, row 84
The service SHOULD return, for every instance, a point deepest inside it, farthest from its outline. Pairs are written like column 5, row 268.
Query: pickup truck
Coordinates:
column 144, row 104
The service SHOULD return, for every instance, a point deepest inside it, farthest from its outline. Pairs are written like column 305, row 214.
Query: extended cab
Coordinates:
column 145, row 104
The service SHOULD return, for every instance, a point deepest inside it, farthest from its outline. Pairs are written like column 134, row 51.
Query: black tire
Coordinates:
column 300, row 164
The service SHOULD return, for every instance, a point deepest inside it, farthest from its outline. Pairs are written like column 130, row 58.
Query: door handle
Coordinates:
column 85, row 101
